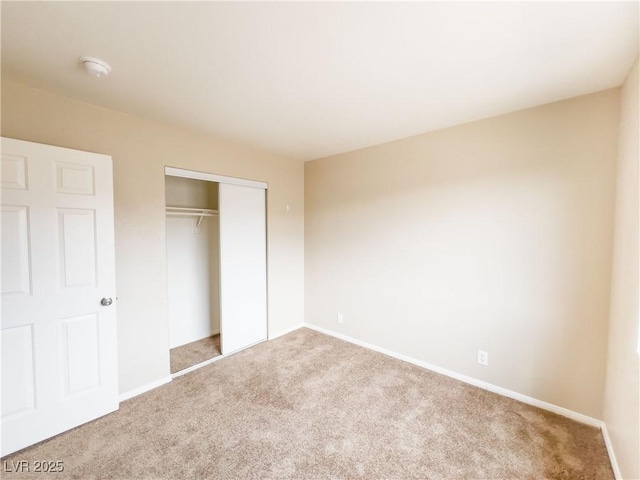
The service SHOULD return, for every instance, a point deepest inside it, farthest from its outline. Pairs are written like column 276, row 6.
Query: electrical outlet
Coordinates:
column 483, row 358
column 340, row 318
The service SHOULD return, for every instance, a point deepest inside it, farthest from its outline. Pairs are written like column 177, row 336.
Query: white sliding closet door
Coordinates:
column 243, row 267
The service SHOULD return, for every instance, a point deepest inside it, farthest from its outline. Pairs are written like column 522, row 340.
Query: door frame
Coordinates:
column 212, row 177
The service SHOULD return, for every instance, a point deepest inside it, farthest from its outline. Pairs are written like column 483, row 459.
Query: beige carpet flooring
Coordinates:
column 194, row 353
column 308, row 406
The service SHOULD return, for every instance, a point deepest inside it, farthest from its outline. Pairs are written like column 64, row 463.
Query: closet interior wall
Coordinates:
column 193, row 262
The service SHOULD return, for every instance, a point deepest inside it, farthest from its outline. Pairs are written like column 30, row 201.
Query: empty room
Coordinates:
column 308, row 240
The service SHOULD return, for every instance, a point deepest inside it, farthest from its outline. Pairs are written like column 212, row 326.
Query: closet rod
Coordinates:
column 197, row 212
column 192, row 212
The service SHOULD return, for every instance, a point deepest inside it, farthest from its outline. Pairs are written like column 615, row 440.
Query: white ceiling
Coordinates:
column 313, row 79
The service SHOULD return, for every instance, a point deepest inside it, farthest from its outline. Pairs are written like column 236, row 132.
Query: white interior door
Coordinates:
column 243, row 267
column 59, row 343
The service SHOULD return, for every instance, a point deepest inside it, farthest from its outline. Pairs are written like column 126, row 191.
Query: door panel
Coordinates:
column 77, row 247
column 18, row 382
column 74, row 178
column 59, row 345
column 243, row 278
column 80, row 352
column 16, row 274
column 14, row 172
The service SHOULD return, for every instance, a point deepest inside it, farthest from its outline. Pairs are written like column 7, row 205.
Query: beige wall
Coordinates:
column 140, row 149
column 494, row 235
column 622, row 398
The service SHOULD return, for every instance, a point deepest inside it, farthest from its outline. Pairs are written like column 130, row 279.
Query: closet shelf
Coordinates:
column 192, row 212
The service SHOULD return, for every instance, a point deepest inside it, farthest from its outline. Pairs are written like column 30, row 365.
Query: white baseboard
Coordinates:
column 145, row 388
column 464, row 378
column 612, row 455
column 286, row 331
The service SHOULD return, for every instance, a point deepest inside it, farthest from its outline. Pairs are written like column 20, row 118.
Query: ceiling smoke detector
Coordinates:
column 95, row 66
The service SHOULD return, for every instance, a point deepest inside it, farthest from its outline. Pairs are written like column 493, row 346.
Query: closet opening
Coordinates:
column 193, row 269
column 216, row 232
